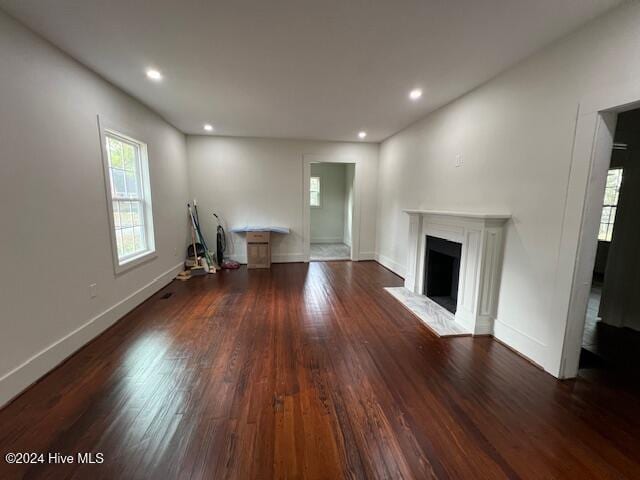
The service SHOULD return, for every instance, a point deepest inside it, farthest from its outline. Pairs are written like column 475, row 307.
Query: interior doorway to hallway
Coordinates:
column 331, row 207
column 611, row 338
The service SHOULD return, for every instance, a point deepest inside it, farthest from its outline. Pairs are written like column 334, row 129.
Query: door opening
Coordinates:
column 331, row 207
column 611, row 336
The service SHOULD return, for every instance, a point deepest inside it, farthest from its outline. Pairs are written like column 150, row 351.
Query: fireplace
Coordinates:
column 454, row 260
column 442, row 272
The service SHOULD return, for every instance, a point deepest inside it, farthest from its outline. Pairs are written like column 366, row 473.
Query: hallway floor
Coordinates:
column 608, row 347
column 330, row 251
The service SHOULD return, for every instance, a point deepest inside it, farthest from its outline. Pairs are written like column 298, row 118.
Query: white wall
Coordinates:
column 55, row 230
column 515, row 135
column 327, row 221
column 350, row 170
column 260, row 182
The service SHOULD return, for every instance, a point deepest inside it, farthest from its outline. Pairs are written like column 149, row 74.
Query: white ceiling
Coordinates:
column 321, row 69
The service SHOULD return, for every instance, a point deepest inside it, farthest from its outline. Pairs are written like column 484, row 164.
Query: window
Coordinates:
column 129, row 198
column 610, row 204
column 314, row 191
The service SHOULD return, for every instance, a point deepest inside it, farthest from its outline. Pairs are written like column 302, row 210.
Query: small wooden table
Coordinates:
column 259, row 244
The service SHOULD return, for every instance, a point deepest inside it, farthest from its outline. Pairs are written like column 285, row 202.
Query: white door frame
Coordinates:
column 591, row 158
column 307, row 160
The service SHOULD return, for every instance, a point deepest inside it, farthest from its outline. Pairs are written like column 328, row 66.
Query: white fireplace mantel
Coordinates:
column 482, row 238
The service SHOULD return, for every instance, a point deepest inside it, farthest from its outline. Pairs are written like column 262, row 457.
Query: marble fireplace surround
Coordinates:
column 482, row 239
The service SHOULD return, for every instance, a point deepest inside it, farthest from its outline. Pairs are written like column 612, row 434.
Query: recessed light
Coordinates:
column 208, row 127
column 362, row 134
column 154, row 74
column 415, row 94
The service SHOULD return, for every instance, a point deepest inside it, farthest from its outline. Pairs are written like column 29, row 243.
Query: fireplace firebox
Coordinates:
column 442, row 272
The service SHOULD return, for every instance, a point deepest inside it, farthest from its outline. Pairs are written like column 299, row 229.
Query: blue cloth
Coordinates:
column 252, row 228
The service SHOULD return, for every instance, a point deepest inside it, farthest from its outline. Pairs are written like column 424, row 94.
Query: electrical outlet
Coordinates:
column 175, row 252
column 459, row 161
column 93, row 290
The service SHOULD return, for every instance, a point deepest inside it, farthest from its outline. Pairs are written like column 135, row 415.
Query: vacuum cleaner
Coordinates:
column 221, row 247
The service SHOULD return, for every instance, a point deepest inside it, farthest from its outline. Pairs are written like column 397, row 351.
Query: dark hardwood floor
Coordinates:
column 313, row 371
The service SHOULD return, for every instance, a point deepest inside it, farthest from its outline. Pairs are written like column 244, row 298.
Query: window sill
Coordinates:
column 133, row 262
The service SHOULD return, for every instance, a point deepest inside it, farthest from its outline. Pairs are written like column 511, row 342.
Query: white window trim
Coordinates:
column 612, row 224
column 319, row 177
column 120, row 266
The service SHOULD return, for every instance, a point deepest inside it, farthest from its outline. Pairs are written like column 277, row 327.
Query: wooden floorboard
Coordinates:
column 313, row 371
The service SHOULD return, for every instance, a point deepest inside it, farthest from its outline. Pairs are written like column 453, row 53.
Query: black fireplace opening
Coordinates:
column 442, row 272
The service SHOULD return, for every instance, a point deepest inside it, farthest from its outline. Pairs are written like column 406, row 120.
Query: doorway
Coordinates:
column 595, row 140
column 611, row 337
column 331, row 202
column 349, row 236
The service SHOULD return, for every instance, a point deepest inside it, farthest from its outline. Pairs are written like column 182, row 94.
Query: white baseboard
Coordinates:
column 21, row 377
column 328, row 240
column 525, row 345
column 367, row 256
column 484, row 325
column 395, row 267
